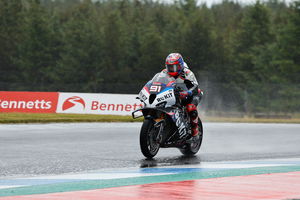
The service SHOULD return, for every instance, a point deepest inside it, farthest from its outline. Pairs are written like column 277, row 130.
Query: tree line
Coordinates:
column 246, row 57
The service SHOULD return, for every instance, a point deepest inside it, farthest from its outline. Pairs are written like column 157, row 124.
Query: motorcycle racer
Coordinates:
column 177, row 68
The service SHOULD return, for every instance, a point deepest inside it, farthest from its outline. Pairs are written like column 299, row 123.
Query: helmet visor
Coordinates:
column 173, row 68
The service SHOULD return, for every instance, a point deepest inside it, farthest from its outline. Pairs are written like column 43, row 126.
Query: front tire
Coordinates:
column 193, row 148
column 148, row 144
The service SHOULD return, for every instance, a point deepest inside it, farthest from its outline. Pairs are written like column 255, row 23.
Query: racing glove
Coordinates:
column 185, row 94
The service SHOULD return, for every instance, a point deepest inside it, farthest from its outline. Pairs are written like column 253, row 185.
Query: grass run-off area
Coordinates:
column 6, row 118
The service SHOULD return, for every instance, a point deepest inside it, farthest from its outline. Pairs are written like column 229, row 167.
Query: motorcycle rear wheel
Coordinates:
column 148, row 144
column 193, row 148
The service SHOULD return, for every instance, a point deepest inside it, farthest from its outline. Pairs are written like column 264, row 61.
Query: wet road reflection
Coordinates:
column 75, row 147
column 179, row 160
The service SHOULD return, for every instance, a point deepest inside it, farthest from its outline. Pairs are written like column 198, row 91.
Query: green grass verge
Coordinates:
column 47, row 118
column 250, row 120
column 6, row 118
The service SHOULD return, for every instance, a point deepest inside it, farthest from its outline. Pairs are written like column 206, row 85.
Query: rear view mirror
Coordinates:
column 137, row 114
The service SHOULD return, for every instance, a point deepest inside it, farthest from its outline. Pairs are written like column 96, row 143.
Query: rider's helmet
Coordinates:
column 174, row 64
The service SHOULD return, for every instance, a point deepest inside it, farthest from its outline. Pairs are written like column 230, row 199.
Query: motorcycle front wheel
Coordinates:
column 148, row 143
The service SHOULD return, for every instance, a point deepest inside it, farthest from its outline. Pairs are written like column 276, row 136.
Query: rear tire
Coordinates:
column 193, row 148
column 148, row 144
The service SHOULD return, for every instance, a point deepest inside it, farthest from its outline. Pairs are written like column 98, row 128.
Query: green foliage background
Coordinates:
column 246, row 58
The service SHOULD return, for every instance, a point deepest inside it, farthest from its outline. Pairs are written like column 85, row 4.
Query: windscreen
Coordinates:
column 162, row 78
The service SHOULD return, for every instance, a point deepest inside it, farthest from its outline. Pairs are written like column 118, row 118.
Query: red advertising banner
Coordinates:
column 31, row 102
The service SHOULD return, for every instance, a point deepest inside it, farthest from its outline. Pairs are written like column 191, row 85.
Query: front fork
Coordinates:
column 160, row 126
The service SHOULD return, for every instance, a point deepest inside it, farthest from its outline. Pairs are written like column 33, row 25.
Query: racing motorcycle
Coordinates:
column 166, row 122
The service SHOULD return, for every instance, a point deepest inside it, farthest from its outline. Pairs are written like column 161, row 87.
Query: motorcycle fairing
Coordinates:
column 153, row 98
column 176, row 114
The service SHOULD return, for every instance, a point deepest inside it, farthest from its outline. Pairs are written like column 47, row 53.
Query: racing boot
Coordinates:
column 192, row 111
column 195, row 128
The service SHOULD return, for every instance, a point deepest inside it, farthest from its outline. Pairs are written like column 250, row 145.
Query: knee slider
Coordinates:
column 192, row 110
column 191, row 107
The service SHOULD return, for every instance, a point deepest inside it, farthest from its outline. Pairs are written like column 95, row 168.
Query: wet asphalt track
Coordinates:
column 62, row 148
